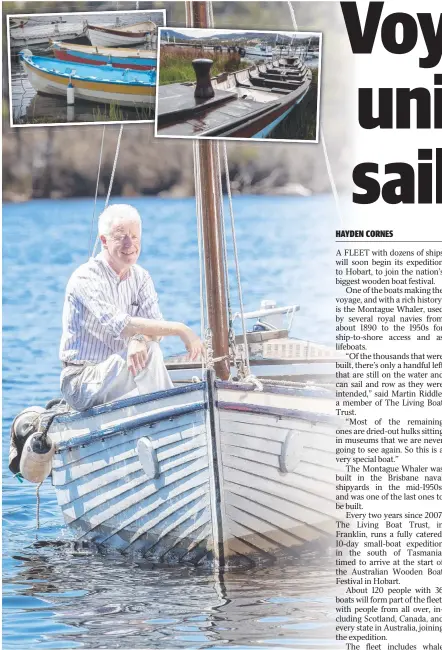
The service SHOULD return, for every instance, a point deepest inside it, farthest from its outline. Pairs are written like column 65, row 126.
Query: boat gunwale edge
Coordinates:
column 101, row 409
column 167, row 414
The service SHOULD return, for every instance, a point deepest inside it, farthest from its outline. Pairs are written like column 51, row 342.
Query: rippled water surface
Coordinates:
column 59, row 596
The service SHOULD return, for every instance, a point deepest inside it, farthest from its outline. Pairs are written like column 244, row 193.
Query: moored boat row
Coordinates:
column 102, row 72
column 124, row 77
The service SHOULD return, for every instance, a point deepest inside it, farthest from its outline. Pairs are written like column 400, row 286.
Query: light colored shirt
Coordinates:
column 98, row 306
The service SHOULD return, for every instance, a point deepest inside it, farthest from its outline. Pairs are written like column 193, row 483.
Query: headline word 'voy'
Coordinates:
column 362, row 40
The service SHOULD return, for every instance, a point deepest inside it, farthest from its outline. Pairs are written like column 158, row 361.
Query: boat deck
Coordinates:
column 181, row 114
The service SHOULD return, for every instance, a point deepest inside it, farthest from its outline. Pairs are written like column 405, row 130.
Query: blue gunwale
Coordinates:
column 279, row 390
column 171, row 413
column 91, row 73
column 113, row 59
column 279, row 412
column 130, row 401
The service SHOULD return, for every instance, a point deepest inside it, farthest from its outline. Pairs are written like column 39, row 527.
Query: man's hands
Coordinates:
column 154, row 330
column 193, row 343
column 136, row 356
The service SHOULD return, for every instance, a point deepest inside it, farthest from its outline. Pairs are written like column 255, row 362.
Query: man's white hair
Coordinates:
column 116, row 213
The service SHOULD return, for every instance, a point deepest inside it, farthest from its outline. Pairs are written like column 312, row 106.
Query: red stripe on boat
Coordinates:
column 64, row 56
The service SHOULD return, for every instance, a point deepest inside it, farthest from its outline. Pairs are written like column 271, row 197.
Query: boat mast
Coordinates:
column 211, row 216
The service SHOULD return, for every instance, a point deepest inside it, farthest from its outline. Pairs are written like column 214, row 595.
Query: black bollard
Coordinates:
column 204, row 88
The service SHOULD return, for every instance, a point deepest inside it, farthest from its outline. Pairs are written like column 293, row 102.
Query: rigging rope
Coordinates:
column 210, row 16
column 37, row 494
column 321, row 132
column 292, row 15
column 223, row 235
column 235, row 255
column 189, row 15
column 96, row 192
column 111, row 182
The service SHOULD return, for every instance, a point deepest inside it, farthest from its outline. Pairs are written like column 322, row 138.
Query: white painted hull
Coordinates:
column 53, row 87
column 256, row 51
column 106, row 497
column 101, row 39
column 245, row 476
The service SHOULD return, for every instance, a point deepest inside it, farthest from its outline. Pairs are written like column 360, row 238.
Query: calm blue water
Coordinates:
column 59, row 596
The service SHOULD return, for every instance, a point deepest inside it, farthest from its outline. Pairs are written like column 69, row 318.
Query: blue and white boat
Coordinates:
column 104, row 84
column 208, row 471
column 226, row 468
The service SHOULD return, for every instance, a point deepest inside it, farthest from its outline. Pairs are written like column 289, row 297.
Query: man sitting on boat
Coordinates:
column 112, row 323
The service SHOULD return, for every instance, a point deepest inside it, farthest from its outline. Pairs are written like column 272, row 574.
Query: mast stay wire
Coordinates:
column 96, row 192
column 321, row 133
column 224, row 239
column 111, row 182
column 237, row 271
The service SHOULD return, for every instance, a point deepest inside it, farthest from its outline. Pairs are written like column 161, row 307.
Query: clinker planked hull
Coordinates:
column 242, row 476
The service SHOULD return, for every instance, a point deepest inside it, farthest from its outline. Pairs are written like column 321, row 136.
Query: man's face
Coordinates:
column 123, row 244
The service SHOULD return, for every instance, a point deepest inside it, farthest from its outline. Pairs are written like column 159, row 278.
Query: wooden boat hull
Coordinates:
column 48, row 82
column 242, row 476
column 107, row 37
column 39, row 34
column 278, row 471
column 107, row 497
column 132, row 59
column 239, row 109
column 277, row 118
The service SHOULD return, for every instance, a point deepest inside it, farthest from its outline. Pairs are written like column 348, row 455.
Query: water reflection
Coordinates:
column 28, row 107
column 127, row 605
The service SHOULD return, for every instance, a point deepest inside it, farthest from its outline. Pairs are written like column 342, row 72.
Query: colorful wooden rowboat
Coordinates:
column 104, row 84
column 245, row 104
column 118, row 58
column 129, row 35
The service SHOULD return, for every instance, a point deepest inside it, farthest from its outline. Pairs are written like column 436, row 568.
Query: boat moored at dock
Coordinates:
column 245, row 104
column 104, row 84
column 25, row 34
column 118, row 35
column 134, row 59
column 264, row 51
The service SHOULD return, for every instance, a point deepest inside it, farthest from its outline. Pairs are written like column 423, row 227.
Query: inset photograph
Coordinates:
column 238, row 84
column 83, row 68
